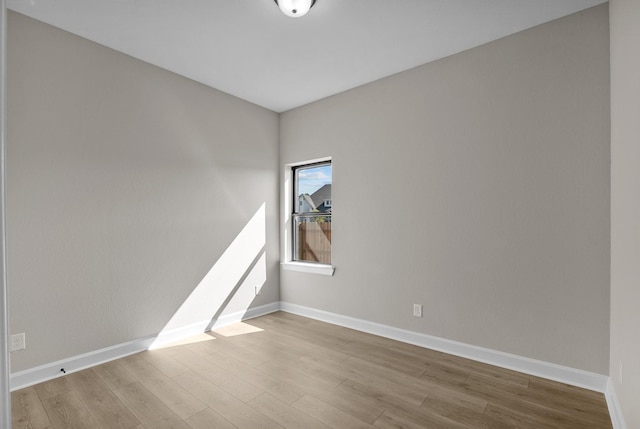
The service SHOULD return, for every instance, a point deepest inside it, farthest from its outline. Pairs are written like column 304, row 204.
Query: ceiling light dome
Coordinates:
column 295, row 8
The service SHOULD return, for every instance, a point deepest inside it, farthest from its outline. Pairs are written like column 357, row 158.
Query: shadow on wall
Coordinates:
column 232, row 282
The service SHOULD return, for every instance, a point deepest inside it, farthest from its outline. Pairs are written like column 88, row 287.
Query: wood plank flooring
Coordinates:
column 285, row 371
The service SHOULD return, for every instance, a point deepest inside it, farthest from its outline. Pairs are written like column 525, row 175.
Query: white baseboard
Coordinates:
column 617, row 419
column 52, row 370
column 246, row 315
column 173, row 335
column 572, row 376
column 563, row 374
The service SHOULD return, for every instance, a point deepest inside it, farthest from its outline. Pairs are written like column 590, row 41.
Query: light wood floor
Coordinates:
column 284, row 371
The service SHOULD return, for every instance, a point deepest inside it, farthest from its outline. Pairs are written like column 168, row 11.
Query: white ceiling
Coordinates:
column 249, row 49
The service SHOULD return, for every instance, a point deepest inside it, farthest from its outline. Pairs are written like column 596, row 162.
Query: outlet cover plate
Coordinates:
column 17, row 342
column 417, row 310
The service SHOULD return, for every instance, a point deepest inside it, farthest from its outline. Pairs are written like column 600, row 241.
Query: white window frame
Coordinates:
column 287, row 224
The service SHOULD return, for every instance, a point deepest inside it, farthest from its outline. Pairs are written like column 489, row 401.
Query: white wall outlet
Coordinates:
column 620, row 372
column 417, row 310
column 18, row 342
column 258, row 288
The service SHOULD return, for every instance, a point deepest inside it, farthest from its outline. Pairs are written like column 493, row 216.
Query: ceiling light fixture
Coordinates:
column 295, row 8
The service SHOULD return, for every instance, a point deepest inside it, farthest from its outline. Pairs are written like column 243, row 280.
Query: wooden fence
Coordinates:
column 314, row 242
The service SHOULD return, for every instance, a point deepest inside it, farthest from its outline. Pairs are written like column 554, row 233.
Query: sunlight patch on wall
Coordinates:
column 231, row 282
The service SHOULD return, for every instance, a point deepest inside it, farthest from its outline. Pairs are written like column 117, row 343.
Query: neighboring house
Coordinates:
column 319, row 201
column 305, row 203
column 322, row 199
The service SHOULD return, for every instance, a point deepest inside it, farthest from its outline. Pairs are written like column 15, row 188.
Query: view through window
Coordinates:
column 312, row 213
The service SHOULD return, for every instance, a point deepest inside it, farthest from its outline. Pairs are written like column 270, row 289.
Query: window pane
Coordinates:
column 313, row 189
column 313, row 238
column 312, row 213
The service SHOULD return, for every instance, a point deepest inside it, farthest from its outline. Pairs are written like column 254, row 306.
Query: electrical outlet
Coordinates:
column 258, row 288
column 417, row 310
column 18, row 342
column 620, row 373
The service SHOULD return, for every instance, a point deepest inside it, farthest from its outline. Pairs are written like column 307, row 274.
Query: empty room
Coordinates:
column 170, row 252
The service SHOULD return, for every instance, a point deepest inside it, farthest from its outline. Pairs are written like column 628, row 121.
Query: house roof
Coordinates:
column 320, row 196
column 309, row 201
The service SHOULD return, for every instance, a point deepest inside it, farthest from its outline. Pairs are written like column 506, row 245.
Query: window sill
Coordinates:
column 325, row 270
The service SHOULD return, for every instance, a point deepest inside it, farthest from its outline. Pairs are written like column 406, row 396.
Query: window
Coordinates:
column 311, row 215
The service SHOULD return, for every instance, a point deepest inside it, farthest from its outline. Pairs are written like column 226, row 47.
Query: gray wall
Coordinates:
column 127, row 184
column 477, row 186
column 625, row 205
